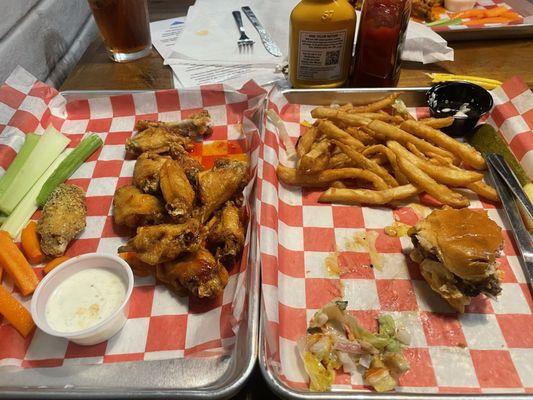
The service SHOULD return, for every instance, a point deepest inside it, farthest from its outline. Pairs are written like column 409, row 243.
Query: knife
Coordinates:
column 267, row 40
column 522, row 236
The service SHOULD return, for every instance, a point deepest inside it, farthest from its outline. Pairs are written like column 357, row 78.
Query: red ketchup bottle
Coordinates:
column 379, row 43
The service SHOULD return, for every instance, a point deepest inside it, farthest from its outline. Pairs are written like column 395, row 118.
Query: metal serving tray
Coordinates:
column 412, row 97
column 184, row 378
column 518, row 31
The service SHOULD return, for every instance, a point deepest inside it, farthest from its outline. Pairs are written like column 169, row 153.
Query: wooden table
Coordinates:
column 499, row 59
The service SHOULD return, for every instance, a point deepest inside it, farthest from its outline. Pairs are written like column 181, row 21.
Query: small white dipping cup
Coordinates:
column 104, row 329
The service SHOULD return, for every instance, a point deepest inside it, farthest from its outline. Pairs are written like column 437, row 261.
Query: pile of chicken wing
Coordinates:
column 187, row 220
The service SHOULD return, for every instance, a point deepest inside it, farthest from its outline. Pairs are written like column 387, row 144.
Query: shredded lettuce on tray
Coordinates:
column 335, row 339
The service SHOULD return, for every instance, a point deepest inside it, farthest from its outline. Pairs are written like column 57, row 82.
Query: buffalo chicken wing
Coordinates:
column 146, row 171
column 157, row 244
column 177, row 191
column 200, row 273
column 133, row 208
column 221, row 183
column 226, row 234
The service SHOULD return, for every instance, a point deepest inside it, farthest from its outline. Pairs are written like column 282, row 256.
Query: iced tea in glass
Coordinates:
column 124, row 26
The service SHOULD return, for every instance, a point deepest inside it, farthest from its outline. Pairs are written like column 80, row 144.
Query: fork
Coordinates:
column 244, row 41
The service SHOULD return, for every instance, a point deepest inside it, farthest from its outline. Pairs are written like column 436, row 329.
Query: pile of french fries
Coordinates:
column 364, row 155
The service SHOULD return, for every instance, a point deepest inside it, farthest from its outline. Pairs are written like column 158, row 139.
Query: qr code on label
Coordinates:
column 332, row 57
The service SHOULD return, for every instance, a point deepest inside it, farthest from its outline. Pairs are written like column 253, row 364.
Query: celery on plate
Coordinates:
column 50, row 145
column 69, row 165
column 30, row 142
column 25, row 209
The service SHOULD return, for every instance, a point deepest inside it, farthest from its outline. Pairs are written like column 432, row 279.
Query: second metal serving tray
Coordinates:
column 412, row 97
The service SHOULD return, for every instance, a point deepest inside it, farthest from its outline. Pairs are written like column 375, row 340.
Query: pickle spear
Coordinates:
column 486, row 140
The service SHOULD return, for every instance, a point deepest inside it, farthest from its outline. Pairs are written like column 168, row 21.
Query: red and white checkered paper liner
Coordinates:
column 487, row 4
column 487, row 349
column 160, row 325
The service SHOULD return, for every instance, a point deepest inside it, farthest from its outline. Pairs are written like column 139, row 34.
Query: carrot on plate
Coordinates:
column 50, row 265
column 513, row 16
column 495, row 11
column 16, row 265
column 15, row 313
column 483, row 21
column 473, row 13
column 30, row 243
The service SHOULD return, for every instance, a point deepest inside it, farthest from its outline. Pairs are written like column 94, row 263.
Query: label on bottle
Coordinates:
column 320, row 55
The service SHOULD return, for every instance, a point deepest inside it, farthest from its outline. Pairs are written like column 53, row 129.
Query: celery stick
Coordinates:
column 50, row 145
column 25, row 209
column 82, row 152
column 29, row 144
column 445, row 22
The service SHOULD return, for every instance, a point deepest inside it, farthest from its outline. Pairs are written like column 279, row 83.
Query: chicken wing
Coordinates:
column 164, row 274
column 196, row 124
column 62, row 220
column 133, row 208
column 146, row 171
column 190, row 166
column 156, row 140
column 157, row 244
column 177, row 191
column 200, row 273
column 219, row 184
column 226, row 234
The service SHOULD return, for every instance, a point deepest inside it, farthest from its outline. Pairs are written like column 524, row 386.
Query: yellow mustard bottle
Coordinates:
column 321, row 42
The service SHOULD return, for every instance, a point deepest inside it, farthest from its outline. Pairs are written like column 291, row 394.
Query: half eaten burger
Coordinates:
column 457, row 251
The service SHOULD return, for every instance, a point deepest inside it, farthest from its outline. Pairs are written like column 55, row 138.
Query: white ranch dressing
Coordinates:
column 85, row 299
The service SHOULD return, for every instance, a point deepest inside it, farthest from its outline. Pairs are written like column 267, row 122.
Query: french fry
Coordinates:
column 377, row 105
column 439, row 160
column 291, row 176
column 360, row 135
column 449, row 176
column 15, row 313
column 361, row 161
column 437, row 123
column 365, row 196
column 464, row 151
column 346, row 107
column 338, row 185
column 305, row 142
column 394, row 133
column 335, row 114
column 423, row 181
column 413, row 149
column 396, row 119
column 340, row 160
column 484, row 190
column 333, row 132
column 391, row 156
column 317, row 159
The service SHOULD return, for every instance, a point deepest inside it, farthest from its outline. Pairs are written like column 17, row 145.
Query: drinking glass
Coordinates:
column 124, row 27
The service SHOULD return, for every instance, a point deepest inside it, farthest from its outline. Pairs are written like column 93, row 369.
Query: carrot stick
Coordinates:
column 50, row 265
column 1, row 273
column 16, row 265
column 30, row 243
column 474, row 13
column 483, row 21
column 511, row 15
column 495, row 12
column 15, row 313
